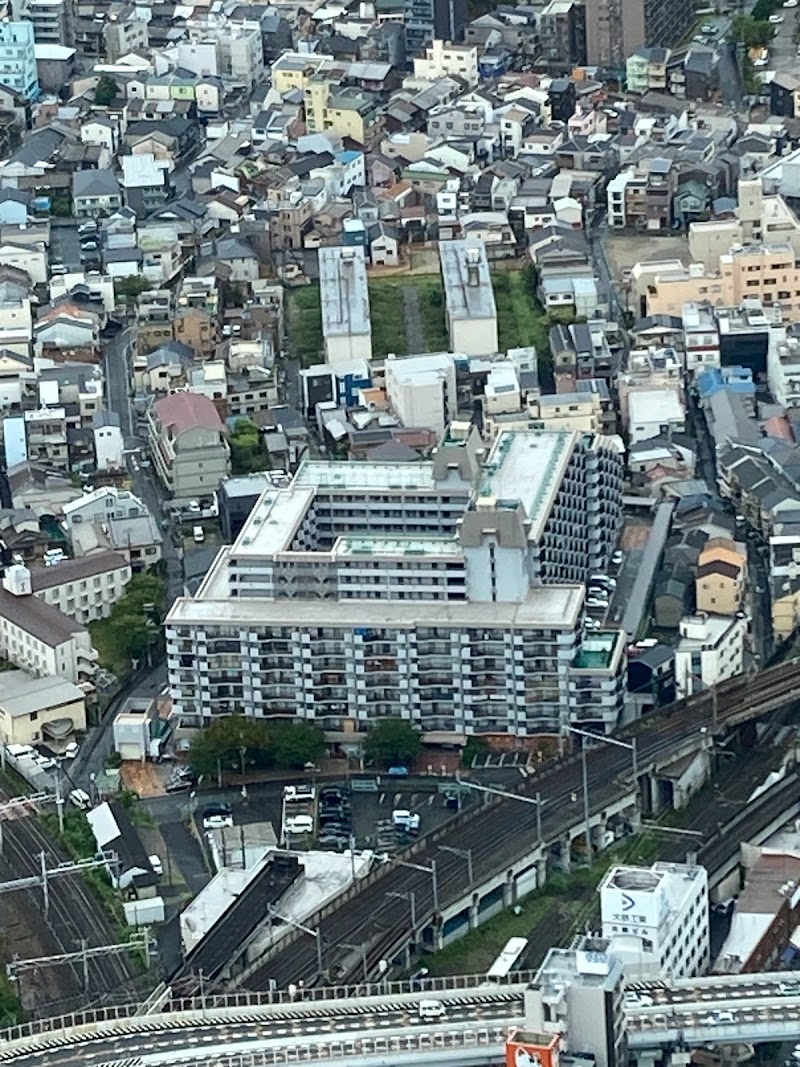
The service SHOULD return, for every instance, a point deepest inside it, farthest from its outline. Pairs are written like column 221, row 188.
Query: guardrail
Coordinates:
column 368, row 1046
column 273, row 998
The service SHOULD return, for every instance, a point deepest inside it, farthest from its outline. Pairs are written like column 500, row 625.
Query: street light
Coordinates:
column 316, row 934
column 631, row 745
column 411, row 897
column 465, row 853
column 428, row 870
column 537, row 800
column 587, row 816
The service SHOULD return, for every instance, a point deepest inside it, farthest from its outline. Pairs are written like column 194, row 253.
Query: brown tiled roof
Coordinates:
column 38, row 619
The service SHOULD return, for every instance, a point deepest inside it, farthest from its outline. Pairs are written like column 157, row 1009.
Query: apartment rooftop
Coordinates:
column 322, row 474
column 398, row 547
column 599, row 651
column 344, row 293
column 550, row 607
column 526, row 469
column 467, row 281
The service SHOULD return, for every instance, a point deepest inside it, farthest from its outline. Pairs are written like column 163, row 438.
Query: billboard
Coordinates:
column 528, row 1049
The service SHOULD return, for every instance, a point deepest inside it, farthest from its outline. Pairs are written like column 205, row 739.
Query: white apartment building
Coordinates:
column 102, row 504
column 711, row 649
column 108, row 441
column 83, row 589
column 344, row 299
column 443, row 59
column 38, row 637
column 656, row 919
column 422, row 390
column 700, row 338
column 448, row 592
column 783, row 368
column 469, row 298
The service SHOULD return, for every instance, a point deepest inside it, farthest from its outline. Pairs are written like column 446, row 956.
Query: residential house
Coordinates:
column 95, row 192
column 45, row 709
column 188, row 445
column 720, row 584
column 239, row 256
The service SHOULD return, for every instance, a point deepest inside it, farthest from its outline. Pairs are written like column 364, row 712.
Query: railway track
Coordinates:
column 505, row 830
column 75, row 914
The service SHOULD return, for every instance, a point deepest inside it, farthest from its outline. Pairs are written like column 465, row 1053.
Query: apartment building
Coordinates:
column 710, row 650
column 344, row 299
column 50, row 19
column 427, row 20
column 562, row 32
column 700, row 338
column 443, row 59
column 18, row 58
column 469, row 298
column 640, row 197
column 449, row 592
column 646, row 70
column 188, row 445
column 38, row 637
column 783, row 369
column 83, row 589
column 769, row 274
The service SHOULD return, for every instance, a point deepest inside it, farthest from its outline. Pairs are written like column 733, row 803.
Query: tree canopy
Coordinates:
column 392, row 741
column 265, row 744
column 134, row 623
column 247, row 448
column 105, row 91
column 752, row 32
column 129, row 288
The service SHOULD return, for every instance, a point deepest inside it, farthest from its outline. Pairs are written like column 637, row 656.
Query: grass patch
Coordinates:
column 304, row 325
column 561, row 907
column 387, row 314
column 79, row 843
column 521, row 319
column 111, row 650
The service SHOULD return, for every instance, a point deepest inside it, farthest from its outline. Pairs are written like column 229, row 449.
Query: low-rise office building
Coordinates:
column 656, row 919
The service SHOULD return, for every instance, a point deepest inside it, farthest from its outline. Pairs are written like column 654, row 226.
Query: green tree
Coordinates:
column 128, row 289
column 247, row 448
column 133, row 627
column 293, row 744
column 392, row 741
column 225, row 739
column 105, row 91
column 752, row 32
column 475, row 746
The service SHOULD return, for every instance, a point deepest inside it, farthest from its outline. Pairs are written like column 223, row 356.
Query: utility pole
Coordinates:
column 587, row 816
column 465, row 853
column 140, row 939
column 537, row 800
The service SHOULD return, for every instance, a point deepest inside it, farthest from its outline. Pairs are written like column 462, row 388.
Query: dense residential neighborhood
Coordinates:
column 399, row 532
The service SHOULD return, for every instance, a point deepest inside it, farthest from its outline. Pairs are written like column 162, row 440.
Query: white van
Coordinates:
column 299, row 824
column 198, row 535
column 431, row 1009
column 80, row 799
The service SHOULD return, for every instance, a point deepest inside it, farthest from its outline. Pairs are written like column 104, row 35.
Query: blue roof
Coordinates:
column 348, row 156
column 737, row 380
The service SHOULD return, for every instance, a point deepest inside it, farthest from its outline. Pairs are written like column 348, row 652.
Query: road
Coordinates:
column 252, row 1029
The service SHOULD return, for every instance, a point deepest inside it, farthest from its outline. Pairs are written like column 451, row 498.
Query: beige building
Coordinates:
column 188, row 445
column 342, row 109
column 769, row 273
column 39, row 709
column 721, row 577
